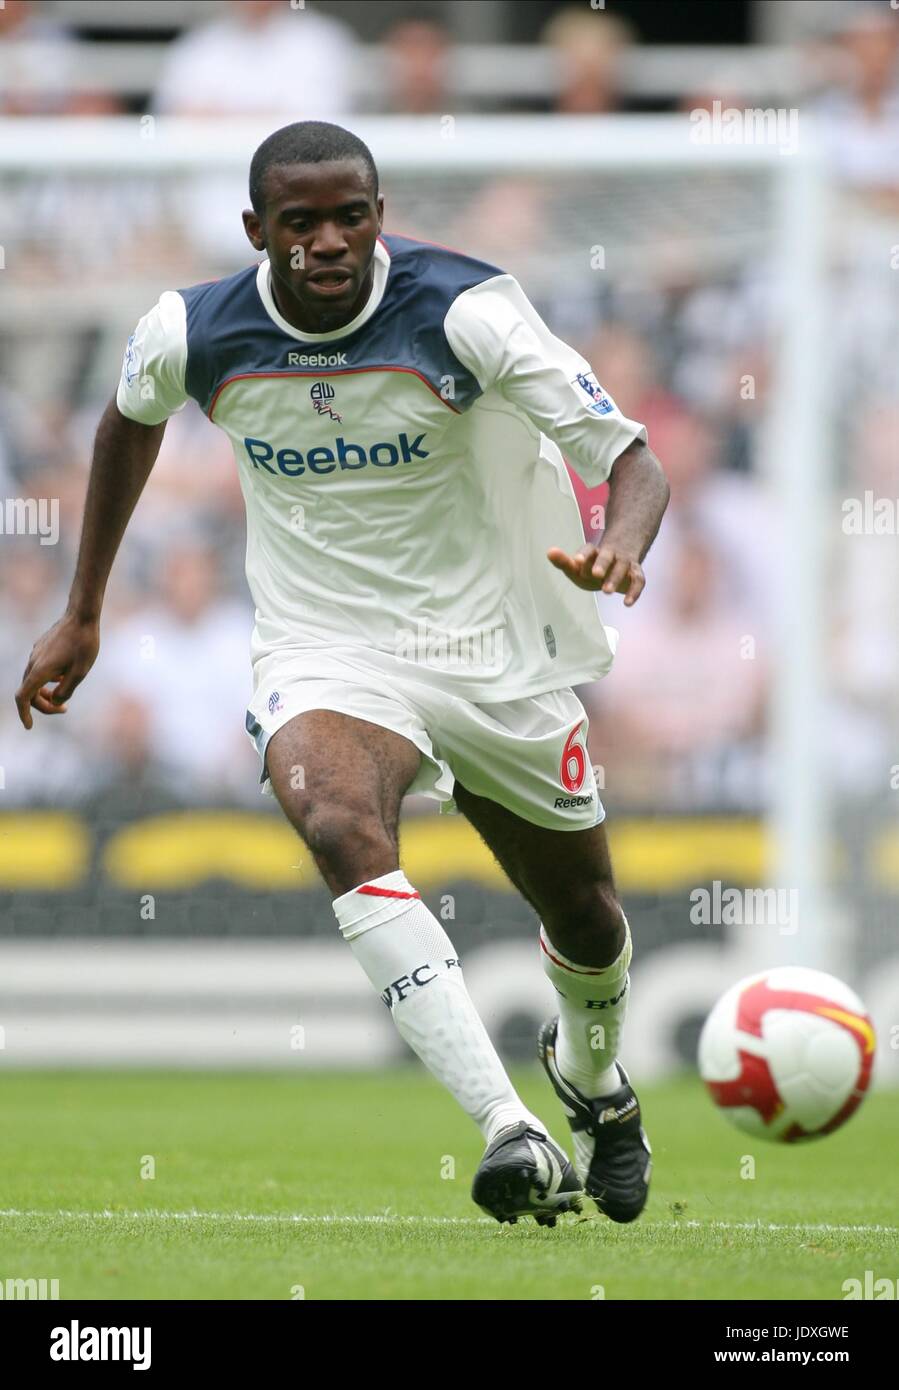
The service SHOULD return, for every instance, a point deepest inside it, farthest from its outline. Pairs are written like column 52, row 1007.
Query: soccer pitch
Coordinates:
column 356, row 1187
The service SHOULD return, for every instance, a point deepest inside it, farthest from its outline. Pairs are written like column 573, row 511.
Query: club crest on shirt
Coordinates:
column 597, row 399
column 322, row 395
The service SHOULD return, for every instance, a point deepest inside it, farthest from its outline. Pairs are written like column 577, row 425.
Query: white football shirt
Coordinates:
column 403, row 476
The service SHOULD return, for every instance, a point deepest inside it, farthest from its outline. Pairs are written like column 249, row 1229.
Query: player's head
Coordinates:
column 317, row 213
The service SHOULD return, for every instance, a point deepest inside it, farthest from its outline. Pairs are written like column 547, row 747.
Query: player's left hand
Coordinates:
column 609, row 567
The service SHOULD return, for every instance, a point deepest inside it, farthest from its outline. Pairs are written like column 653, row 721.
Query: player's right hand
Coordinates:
column 64, row 655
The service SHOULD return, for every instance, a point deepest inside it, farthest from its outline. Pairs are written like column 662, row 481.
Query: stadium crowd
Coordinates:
column 691, row 353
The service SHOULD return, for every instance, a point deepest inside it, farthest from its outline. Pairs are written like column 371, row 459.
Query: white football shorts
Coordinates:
column 529, row 755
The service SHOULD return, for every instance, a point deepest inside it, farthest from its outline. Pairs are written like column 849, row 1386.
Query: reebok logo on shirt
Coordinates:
column 316, row 359
column 292, row 463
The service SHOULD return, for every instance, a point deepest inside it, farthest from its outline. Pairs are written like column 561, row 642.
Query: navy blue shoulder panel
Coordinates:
column 452, row 271
column 223, row 317
column 424, row 281
column 230, row 334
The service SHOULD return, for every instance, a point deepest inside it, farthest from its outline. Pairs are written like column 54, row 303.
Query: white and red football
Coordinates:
column 787, row 1054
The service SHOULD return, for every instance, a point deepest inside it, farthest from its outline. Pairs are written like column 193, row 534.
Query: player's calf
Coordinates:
column 592, row 1004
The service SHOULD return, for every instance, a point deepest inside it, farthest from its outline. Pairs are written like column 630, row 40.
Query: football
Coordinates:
column 787, row 1054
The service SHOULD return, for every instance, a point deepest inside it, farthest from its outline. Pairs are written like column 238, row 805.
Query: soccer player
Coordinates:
column 424, row 604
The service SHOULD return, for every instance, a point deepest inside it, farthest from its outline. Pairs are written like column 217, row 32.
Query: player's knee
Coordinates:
column 349, row 843
column 586, row 922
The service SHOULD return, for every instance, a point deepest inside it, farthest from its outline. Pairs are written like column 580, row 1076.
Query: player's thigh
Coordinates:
column 528, row 755
column 541, row 863
column 341, row 779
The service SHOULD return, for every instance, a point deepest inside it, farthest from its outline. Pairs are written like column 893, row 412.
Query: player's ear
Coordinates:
column 253, row 228
column 380, row 206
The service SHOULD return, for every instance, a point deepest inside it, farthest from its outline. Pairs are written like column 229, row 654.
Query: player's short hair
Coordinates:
column 306, row 142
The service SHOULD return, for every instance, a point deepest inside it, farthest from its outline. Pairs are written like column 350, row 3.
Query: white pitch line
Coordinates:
column 823, row 1228
column 341, row 1219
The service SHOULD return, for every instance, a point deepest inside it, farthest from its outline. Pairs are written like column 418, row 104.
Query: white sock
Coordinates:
column 411, row 962
column 592, row 1006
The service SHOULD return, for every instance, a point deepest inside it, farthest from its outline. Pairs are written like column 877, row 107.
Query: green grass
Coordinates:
column 358, row 1146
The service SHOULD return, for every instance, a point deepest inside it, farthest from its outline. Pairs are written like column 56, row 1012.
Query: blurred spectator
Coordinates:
column 863, row 667
column 127, row 779
column 718, row 336
column 260, row 58
column 505, row 223
column 209, row 488
column 732, row 512
column 417, row 53
column 590, row 47
column 38, row 59
column 860, row 116
column 183, row 660
column 859, row 121
column 264, row 57
column 13, row 431
column 32, row 597
column 46, row 764
column 678, row 719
